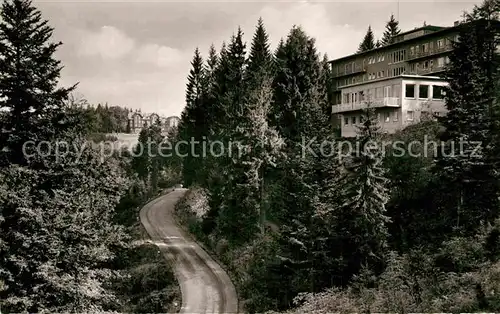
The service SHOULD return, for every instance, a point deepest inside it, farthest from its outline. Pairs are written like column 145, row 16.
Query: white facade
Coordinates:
column 399, row 102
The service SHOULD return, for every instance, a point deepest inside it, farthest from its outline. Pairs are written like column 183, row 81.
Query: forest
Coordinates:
column 70, row 238
column 372, row 231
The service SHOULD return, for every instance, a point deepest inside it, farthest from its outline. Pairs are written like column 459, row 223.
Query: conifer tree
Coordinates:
column 28, row 84
column 297, row 113
column 362, row 198
column 368, row 42
column 326, row 86
column 242, row 211
column 260, row 58
column 391, row 30
column 296, row 83
column 210, row 68
column 471, row 194
column 225, row 109
column 194, row 122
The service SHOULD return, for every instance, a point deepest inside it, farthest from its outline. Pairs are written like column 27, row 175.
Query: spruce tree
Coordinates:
column 297, row 114
column 194, row 118
column 226, row 107
column 326, row 86
column 391, row 30
column 297, row 82
column 361, row 215
column 368, row 42
column 471, row 194
column 242, row 211
column 210, row 79
column 260, row 58
column 28, row 84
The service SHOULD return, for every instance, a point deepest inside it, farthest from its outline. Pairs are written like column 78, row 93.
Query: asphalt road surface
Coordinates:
column 205, row 286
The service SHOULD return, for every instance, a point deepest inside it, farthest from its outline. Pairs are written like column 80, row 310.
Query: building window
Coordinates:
column 438, row 92
column 378, row 93
column 387, row 91
column 410, row 91
column 395, row 118
column 387, row 117
column 409, row 115
column 440, row 43
column 346, row 121
column 441, row 62
column 353, row 120
column 423, row 91
column 412, row 50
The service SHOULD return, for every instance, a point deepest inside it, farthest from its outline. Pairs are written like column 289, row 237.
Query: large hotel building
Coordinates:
column 401, row 80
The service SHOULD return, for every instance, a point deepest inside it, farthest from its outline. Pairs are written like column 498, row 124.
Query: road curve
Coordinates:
column 205, row 286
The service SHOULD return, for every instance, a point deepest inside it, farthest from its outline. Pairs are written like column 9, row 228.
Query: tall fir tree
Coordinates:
column 471, row 194
column 227, row 107
column 391, row 31
column 260, row 58
column 368, row 42
column 242, row 211
column 362, row 198
column 28, row 85
column 297, row 114
column 194, row 121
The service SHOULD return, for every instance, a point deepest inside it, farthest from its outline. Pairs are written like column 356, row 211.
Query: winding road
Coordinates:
column 205, row 286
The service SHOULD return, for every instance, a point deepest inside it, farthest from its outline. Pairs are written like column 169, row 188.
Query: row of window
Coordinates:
column 400, row 55
column 372, row 93
column 411, row 90
column 438, row 92
column 414, row 68
column 375, row 59
column 379, row 74
column 385, row 117
column 429, row 64
column 426, row 47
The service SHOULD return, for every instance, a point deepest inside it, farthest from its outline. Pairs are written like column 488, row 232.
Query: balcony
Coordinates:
column 357, row 69
column 377, row 103
column 423, row 54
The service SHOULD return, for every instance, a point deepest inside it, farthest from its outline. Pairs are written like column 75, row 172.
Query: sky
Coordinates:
column 137, row 54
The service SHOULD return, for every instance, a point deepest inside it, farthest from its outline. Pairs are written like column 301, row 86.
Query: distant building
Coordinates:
column 138, row 120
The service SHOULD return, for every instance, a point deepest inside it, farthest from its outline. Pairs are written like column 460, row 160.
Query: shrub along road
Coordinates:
column 205, row 287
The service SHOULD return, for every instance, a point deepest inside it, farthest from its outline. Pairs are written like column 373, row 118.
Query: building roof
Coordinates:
column 431, row 28
column 438, row 30
column 434, row 31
